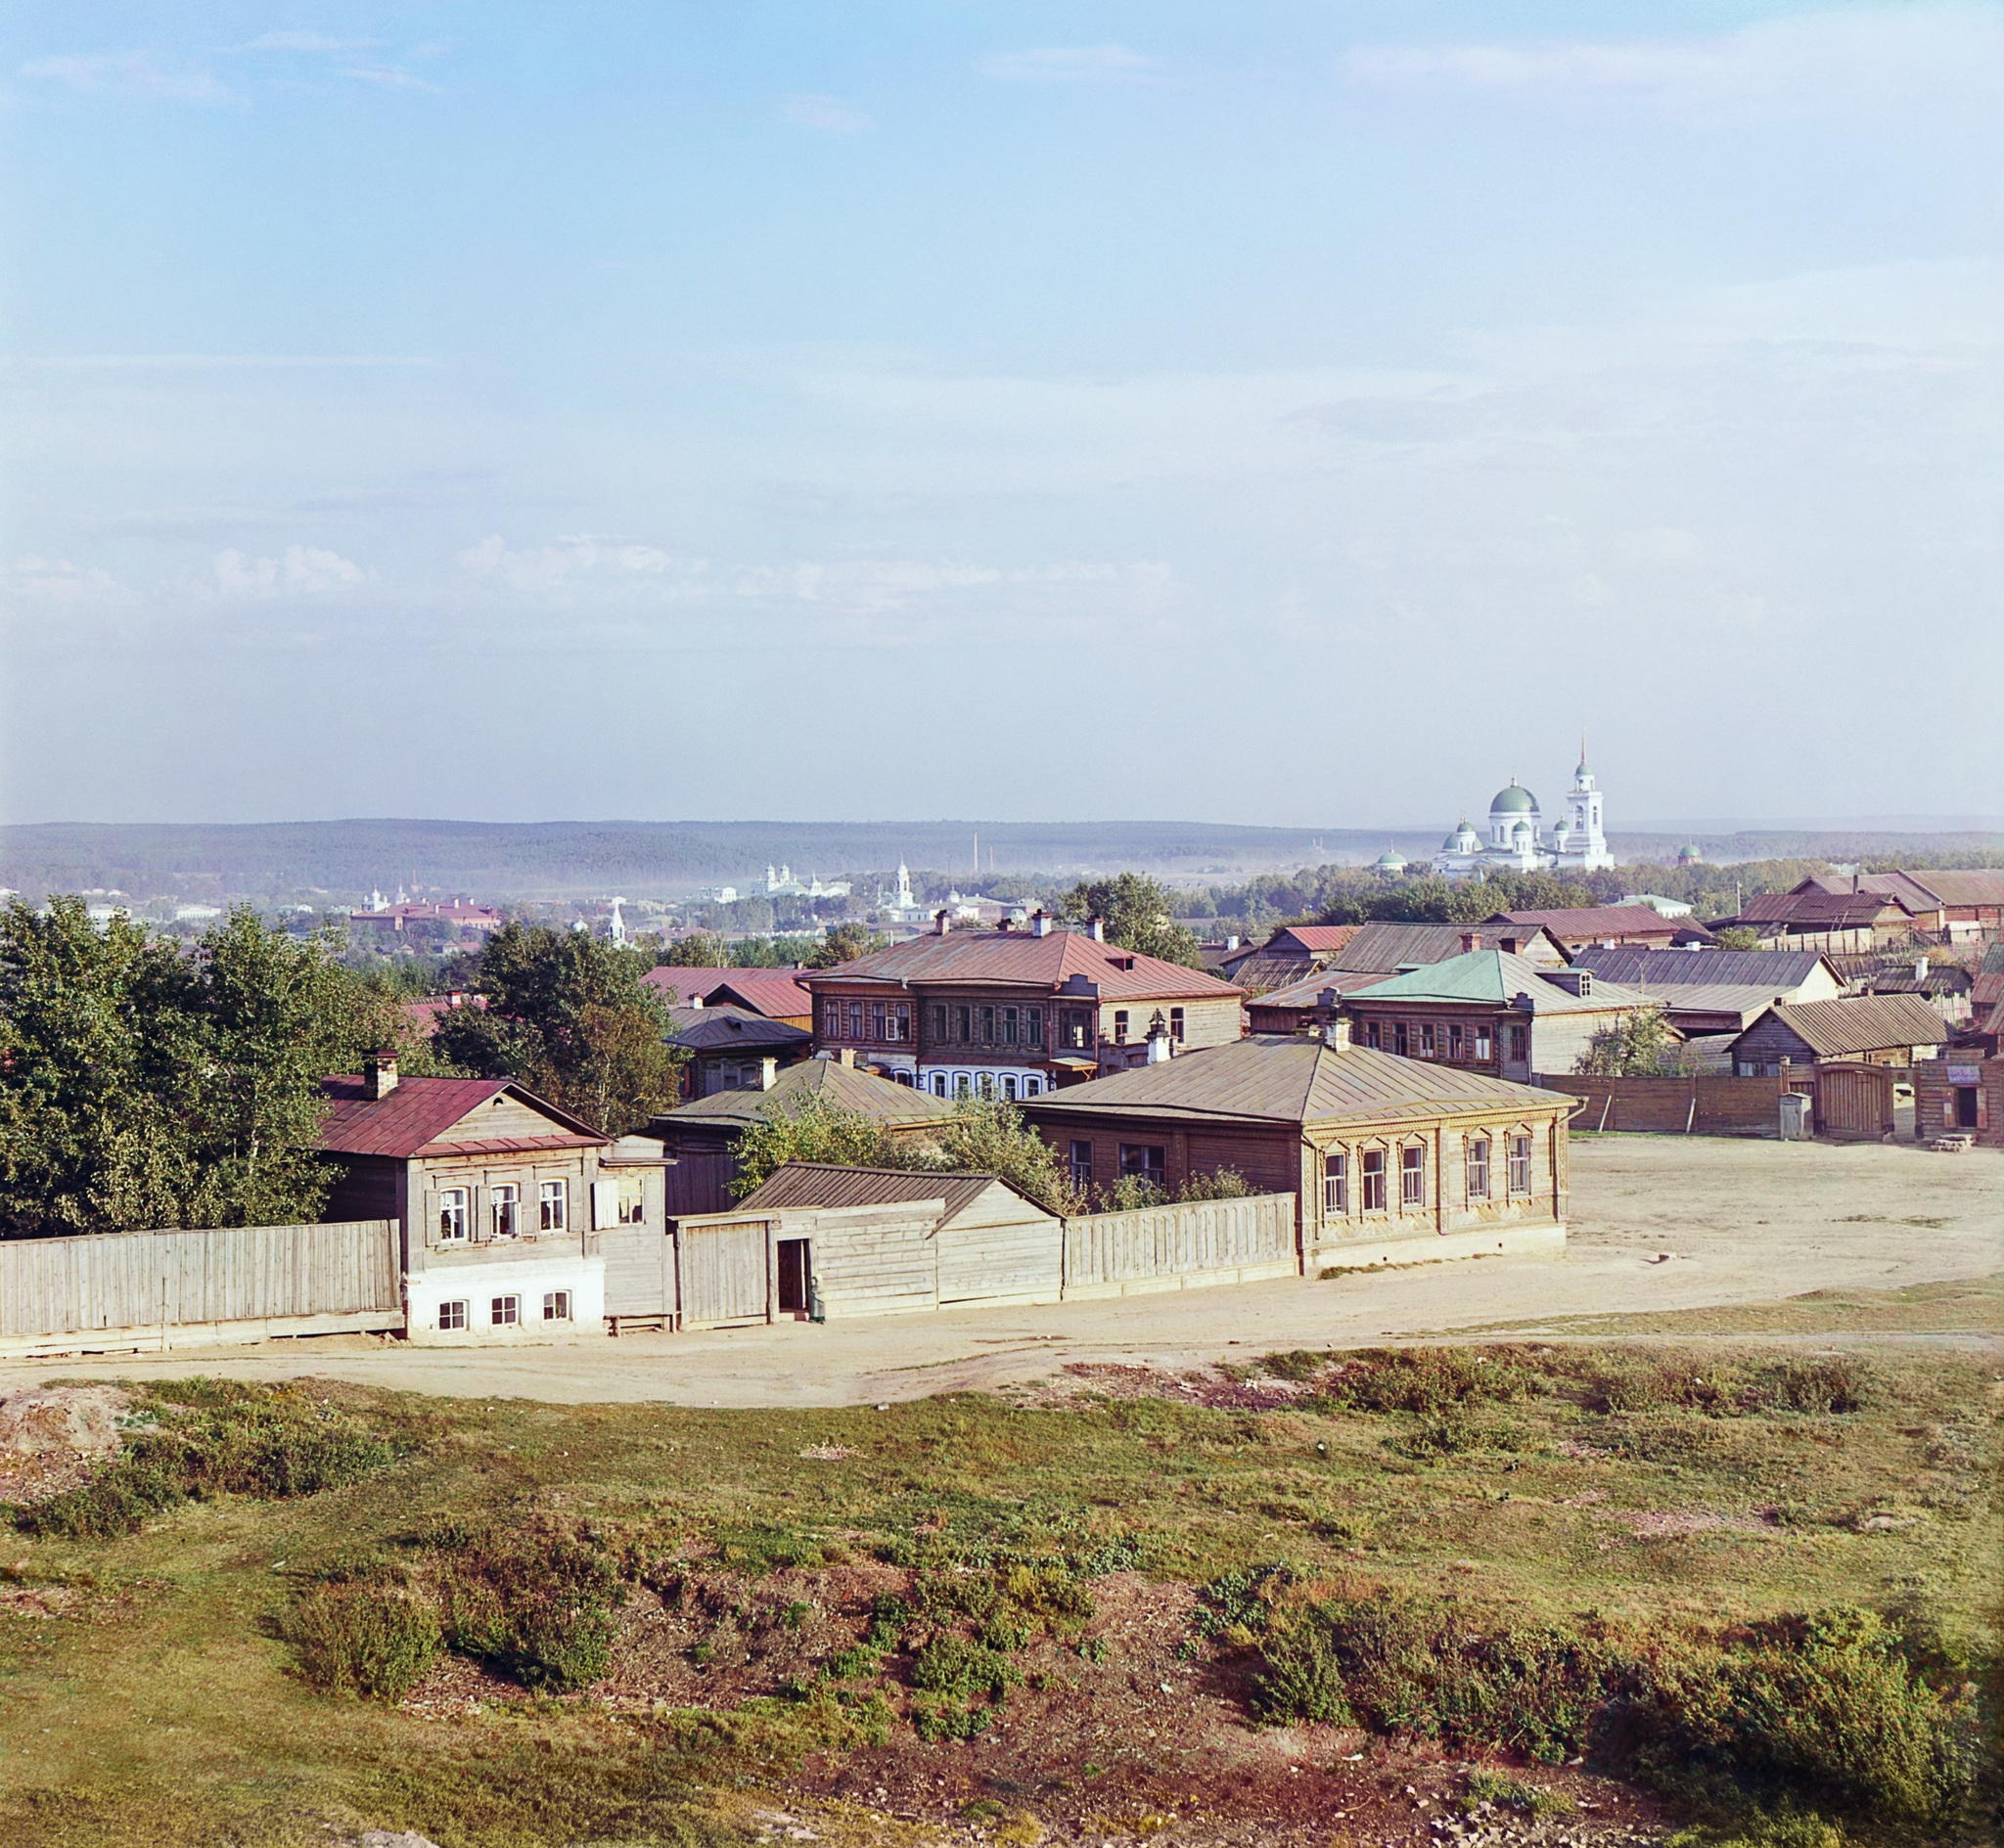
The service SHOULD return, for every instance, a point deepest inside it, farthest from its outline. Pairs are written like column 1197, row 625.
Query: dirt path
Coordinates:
column 1659, row 1224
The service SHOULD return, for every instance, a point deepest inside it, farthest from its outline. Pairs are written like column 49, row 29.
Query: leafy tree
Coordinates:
column 702, row 950
column 145, row 1084
column 1637, row 1045
column 989, row 1136
column 844, row 945
column 1139, row 915
column 1738, row 937
column 814, row 1130
column 569, row 1017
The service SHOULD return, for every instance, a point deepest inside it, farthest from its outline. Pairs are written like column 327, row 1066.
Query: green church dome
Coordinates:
column 1390, row 861
column 1515, row 800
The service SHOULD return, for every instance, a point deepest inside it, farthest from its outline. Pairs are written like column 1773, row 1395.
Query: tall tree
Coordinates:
column 1139, row 915
column 571, row 1016
column 844, row 945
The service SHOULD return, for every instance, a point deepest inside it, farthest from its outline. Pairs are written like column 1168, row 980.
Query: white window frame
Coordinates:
column 1519, row 1179
column 1336, row 1184
column 504, row 1311
column 453, row 1314
column 504, row 1203
column 454, row 1210
column 1383, row 1191
column 556, row 1305
column 1412, row 1177
column 1479, row 1168
column 550, row 1194
column 1484, row 1043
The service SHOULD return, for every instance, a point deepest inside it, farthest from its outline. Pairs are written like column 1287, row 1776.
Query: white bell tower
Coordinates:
column 1586, row 841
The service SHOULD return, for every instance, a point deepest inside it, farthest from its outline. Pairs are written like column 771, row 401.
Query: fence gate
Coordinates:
column 1854, row 1101
column 723, row 1269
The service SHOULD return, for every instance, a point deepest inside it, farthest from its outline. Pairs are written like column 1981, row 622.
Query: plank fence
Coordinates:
column 143, row 1291
column 1183, row 1247
column 1705, row 1105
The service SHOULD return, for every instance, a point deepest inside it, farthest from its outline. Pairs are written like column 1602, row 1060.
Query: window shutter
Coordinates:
column 482, row 1207
column 430, row 1208
column 605, row 1205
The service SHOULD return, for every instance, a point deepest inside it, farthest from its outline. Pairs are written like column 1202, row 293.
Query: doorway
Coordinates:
column 1965, row 1107
column 795, row 1269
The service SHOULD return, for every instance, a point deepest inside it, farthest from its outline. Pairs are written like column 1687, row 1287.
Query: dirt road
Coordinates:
column 1658, row 1223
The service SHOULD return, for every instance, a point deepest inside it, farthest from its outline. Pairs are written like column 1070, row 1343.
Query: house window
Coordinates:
column 877, row 1033
column 452, row 1315
column 507, row 1213
column 1147, row 1160
column 1401, row 1039
column 1033, row 1027
column 506, row 1311
column 1120, row 1026
column 1008, row 1026
column 961, row 1019
column 632, row 1206
column 1075, row 1024
column 855, row 1020
column 1176, row 1025
column 938, row 1084
column 962, row 1088
column 1032, row 1086
column 831, row 1019
column 1482, row 1049
column 1479, row 1168
column 1520, row 1164
column 1585, row 984
column 1454, row 1047
column 987, row 1084
column 556, row 1305
column 1336, row 1184
column 550, row 1204
column 1374, row 1180
column 1412, row 1175
column 1518, row 1045
column 1374, row 1037
column 987, row 1026
column 1081, row 1164
column 901, row 1022
column 1426, row 1046
column 452, row 1215
column 938, row 1022
column 1009, row 1086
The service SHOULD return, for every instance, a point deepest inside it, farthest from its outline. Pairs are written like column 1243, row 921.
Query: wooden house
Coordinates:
column 1830, row 921
column 1386, row 1158
column 1577, row 927
column 712, row 1125
column 731, row 1048
column 502, row 1199
column 774, row 994
column 1874, row 1030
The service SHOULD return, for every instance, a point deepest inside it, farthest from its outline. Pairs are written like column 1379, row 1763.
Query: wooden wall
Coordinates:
column 1002, row 1246
column 1714, row 1105
column 136, row 1288
column 722, row 1268
column 1169, row 1247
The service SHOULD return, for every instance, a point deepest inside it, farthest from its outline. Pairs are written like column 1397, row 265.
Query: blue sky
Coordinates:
column 1279, row 412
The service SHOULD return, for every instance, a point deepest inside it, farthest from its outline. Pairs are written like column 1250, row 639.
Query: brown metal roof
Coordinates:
column 725, row 1028
column 1659, row 971
column 1903, row 886
column 1962, row 885
column 811, row 1184
column 772, row 992
column 1293, row 1080
column 1316, row 939
column 1019, row 958
column 1863, row 1023
column 1597, row 920
column 511, row 1145
column 844, row 1086
column 1388, row 947
column 1820, row 911
column 418, row 1112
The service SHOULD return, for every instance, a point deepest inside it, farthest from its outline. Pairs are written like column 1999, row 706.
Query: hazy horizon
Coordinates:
column 1176, row 411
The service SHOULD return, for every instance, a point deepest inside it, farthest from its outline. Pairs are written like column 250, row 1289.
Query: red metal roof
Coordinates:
column 511, row 1145
column 772, row 992
column 1019, row 958
column 1595, row 920
column 418, row 1113
column 1317, row 939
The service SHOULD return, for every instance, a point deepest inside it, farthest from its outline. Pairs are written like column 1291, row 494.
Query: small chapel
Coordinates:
column 1517, row 841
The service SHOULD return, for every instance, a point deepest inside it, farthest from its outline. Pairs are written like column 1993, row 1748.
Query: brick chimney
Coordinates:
column 941, row 923
column 1096, row 928
column 768, row 1073
column 1039, row 923
column 1470, row 940
column 379, row 1076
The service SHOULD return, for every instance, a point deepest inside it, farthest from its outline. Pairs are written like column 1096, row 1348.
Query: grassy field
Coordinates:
column 653, row 1618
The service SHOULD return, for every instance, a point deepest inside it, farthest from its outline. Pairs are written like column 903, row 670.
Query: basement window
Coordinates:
column 556, row 1305
column 452, row 1315
column 505, row 1311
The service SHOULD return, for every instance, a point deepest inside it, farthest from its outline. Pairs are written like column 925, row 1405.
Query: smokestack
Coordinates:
column 940, row 924
column 379, row 1076
column 768, row 1073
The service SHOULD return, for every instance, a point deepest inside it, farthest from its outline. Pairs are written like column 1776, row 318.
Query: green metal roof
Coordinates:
column 1497, row 978
column 1515, row 800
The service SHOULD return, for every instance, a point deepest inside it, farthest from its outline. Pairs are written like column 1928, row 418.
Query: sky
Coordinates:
column 1292, row 414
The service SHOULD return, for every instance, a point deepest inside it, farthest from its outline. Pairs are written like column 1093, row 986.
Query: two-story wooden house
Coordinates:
column 506, row 1202
column 1013, row 1012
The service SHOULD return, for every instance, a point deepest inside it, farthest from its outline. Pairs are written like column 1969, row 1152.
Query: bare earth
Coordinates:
column 1661, row 1225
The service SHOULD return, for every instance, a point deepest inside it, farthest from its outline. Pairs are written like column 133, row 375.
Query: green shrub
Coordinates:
column 1240, row 1600
column 953, row 1665
column 939, row 1716
column 1831, row 1385
column 1221, row 1184
column 359, row 1638
column 1429, row 1380
column 1297, row 1364
column 1512, row 1793
column 216, row 1437
column 1301, row 1679
column 534, row 1601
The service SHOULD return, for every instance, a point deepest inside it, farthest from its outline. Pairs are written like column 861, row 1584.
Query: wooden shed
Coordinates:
column 1876, row 1029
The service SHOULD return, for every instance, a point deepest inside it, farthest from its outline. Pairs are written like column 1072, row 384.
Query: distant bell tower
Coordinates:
column 1588, row 838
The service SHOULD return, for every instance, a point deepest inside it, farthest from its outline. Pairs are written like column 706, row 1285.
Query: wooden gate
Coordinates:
column 1854, row 1101
column 722, row 1264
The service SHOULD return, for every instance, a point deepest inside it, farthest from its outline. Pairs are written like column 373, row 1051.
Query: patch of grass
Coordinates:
column 532, row 1601
column 371, row 1639
column 1512, row 1793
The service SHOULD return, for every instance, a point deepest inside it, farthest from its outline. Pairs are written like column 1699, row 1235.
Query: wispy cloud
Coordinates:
column 1825, row 65
column 298, row 572
column 387, row 75
column 310, row 42
column 129, row 73
column 1077, row 64
column 205, row 362
column 828, row 113
column 575, row 558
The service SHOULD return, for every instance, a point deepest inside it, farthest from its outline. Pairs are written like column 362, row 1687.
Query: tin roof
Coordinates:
column 1497, row 977
column 1661, row 969
column 1308, row 991
column 1596, row 921
column 420, row 1111
column 1909, row 891
column 1022, row 957
column 1863, row 1023
column 725, row 1028
column 1962, row 885
column 772, row 992
column 829, row 1079
column 1388, row 947
column 811, row 1184
column 1820, row 911
column 1292, row 1080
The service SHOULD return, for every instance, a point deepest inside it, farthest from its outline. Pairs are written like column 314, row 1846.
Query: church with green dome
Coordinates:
column 1517, row 840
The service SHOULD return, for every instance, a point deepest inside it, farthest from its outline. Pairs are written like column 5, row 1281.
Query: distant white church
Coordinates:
column 1517, row 841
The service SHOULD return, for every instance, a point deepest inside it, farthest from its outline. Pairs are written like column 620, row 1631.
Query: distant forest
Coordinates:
column 339, row 861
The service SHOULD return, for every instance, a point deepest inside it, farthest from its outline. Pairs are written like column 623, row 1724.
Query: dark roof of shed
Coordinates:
column 1658, row 970
column 1022, row 956
column 1596, row 921
column 421, row 1110
column 811, row 1184
column 727, row 1028
column 1821, row 910
column 844, row 1086
column 1268, row 1079
column 1864, row 1023
column 1963, row 886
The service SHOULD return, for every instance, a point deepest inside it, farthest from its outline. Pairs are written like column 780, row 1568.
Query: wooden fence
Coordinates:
column 121, row 1292
column 700, row 1184
column 1701, row 1107
column 1182, row 1246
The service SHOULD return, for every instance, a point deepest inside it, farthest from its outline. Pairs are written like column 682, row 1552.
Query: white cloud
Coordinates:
column 32, row 581
column 300, row 571
column 309, row 42
column 1830, row 65
column 128, row 73
column 828, row 113
column 386, row 76
column 1081, row 64
column 575, row 558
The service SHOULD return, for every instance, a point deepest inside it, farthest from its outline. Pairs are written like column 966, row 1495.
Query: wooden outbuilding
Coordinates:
column 1872, row 1029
